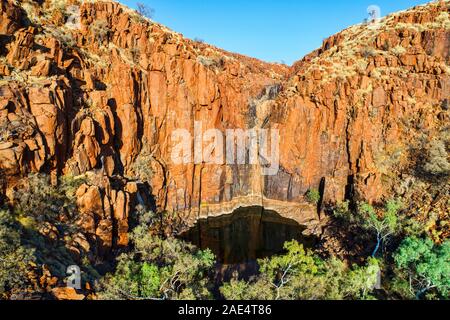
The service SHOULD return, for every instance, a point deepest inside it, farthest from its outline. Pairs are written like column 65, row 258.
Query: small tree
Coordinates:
column 144, row 10
column 299, row 274
column 282, row 268
column 383, row 223
column 424, row 266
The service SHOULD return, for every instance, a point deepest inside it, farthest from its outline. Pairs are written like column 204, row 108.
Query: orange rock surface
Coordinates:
column 92, row 98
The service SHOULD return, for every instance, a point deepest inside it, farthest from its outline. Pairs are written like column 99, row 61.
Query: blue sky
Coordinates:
column 271, row 30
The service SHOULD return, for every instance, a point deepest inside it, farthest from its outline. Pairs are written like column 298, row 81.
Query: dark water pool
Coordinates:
column 245, row 235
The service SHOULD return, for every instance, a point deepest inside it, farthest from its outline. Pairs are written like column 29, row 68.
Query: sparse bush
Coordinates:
column 10, row 130
column 144, row 10
column 361, row 66
column 15, row 259
column 368, row 52
column 141, row 168
column 135, row 53
column 100, row 30
column 437, row 159
column 398, row 50
column 4, row 132
column 48, row 218
column 216, row 63
column 375, row 73
column 37, row 201
column 58, row 5
column 65, row 38
column 443, row 20
column 29, row 8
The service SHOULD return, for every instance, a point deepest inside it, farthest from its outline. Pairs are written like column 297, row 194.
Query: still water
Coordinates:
column 245, row 235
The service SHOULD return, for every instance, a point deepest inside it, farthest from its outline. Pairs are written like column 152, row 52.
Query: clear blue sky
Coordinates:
column 271, row 30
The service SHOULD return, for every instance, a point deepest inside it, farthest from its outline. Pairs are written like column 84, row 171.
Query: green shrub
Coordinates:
column 313, row 196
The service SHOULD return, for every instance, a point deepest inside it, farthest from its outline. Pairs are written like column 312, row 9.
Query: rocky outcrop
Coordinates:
column 95, row 97
column 66, row 294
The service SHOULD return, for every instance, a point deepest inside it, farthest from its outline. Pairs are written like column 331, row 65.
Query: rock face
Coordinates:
column 66, row 294
column 104, row 94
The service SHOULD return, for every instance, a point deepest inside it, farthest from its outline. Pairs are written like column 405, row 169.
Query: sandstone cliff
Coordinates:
column 96, row 89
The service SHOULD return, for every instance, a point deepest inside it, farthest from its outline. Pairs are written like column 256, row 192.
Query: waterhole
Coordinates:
column 247, row 234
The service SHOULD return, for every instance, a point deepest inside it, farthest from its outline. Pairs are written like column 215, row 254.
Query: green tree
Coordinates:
column 383, row 223
column 300, row 275
column 159, row 268
column 296, row 266
column 423, row 266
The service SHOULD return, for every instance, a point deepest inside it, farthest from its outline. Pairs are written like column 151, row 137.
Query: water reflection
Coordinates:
column 245, row 235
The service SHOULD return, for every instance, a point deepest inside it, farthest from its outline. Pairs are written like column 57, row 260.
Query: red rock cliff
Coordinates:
column 95, row 88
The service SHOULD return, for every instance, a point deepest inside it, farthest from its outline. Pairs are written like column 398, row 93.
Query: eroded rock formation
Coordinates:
column 96, row 95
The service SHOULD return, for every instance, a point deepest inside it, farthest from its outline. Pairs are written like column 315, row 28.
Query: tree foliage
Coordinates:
column 300, row 275
column 159, row 268
column 313, row 196
column 383, row 223
column 423, row 266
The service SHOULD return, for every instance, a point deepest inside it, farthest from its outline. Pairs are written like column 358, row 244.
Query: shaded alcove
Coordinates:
column 247, row 234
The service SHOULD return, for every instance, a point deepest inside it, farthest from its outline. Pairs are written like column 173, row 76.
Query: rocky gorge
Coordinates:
column 94, row 89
